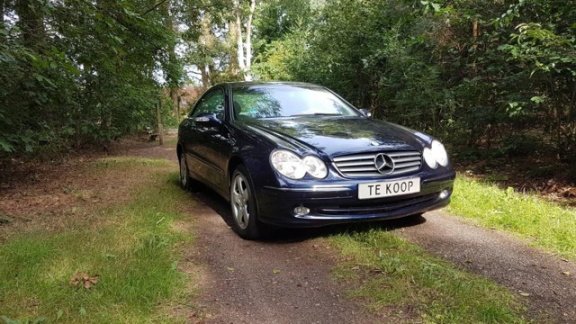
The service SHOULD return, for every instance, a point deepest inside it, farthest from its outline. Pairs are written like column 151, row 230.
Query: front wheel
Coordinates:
column 185, row 180
column 243, row 204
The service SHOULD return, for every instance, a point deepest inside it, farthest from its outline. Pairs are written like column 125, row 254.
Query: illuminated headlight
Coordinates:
column 435, row 155
column 315, row 167
column 293, row 167
column 429, row 158
column 439, row 153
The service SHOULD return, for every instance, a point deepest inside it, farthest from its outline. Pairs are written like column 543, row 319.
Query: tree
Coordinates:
column 76, row 72
column 492, row 74
column 219, row 40
column 172, row 65
column 244, row 44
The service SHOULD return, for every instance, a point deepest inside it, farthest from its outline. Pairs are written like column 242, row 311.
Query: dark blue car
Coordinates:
column 297, row 155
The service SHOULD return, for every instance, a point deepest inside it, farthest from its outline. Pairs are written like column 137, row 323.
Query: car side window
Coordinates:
column 212, row 103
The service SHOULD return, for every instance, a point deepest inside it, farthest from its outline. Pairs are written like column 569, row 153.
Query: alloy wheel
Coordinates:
column 240, row 199
column 183, row 172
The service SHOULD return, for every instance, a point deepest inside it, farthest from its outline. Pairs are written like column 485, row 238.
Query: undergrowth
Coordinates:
column 130, row 253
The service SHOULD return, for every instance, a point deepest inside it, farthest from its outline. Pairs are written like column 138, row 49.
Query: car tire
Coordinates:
column 185, row 181
column 243, row 206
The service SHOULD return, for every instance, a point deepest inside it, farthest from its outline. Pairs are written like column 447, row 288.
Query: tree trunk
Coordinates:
column 475, row 30
column 160, row 127
column 205, row 72
column 178, row 109
column 174, row 98
column 172, row 74
column 475, row 34
column 2, row 10
column 248, row 45
column 239, row 40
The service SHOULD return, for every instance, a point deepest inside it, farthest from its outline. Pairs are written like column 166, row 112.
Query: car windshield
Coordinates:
column 279, row 101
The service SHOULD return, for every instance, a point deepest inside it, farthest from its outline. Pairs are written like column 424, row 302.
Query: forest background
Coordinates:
column 493, row 79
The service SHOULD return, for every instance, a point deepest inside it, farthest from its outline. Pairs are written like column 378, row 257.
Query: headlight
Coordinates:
column 429, row 158
column 288, row 164
column 315, row 167
column 293, row 167
column 435, row 155
column 439, row 153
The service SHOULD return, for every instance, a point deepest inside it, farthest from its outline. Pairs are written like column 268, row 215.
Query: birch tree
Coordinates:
column 244, row 43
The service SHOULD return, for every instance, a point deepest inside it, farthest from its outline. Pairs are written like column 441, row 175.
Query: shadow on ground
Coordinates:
column 291, row 235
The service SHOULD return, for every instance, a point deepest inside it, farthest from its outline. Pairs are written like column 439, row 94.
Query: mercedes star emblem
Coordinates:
column 383, row 163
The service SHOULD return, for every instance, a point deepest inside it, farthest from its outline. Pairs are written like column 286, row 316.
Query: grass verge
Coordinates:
column 131, row 250
column 400, row 277
column 544, row 223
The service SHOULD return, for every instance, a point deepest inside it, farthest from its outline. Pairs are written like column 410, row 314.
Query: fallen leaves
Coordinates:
column 82, row 279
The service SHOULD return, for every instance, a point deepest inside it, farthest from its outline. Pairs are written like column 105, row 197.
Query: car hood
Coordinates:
column 336, row 136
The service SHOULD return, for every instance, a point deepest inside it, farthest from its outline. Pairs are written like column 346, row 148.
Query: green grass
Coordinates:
column 400, row 278
column 543, row 223
column 131, row 248
column 123, row 163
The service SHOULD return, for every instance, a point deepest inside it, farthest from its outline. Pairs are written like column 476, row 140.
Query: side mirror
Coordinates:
column 207, row 120
column 365, row 112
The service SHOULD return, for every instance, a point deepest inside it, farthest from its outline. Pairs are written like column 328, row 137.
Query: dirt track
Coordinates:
column 545, row 281
column 267, row 282
column 288, row 280
column 285, row 280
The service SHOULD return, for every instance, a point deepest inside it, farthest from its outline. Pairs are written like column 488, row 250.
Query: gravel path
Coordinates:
column 545, row 281
column 285, row 280
column 266, row 282
column 288, row 280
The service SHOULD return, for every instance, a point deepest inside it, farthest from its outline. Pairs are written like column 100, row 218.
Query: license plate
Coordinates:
column 388, row 188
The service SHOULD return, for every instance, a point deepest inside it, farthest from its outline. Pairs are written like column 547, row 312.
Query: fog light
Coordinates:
column 301, row 211
column 444, row 194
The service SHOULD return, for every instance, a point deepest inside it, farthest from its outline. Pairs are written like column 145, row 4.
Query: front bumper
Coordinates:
column 338, row 202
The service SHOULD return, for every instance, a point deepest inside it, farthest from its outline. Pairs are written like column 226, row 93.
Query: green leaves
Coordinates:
column 5, row 146
column 471, row 72
column 430, row 6
column 79, row 71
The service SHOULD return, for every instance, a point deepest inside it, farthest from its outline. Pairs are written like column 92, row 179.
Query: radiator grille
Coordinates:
column 363, row 165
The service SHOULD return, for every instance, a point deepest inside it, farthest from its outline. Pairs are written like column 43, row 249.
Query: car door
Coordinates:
column 204, row 139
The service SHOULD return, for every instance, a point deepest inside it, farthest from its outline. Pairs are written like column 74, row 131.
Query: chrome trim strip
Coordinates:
column 348, row 164
column 354, row 157
column 404, row 159
column 398, row 154
column 325, row 188
column 345, row 217
column 407, row 164
column 356, row 169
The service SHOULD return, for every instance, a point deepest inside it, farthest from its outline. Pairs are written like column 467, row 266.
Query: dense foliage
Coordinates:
column 499, row 75
column 496, row 74
column 78, row 71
